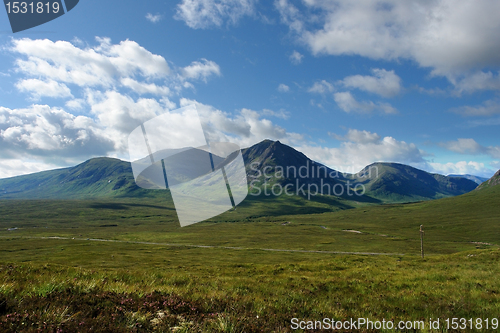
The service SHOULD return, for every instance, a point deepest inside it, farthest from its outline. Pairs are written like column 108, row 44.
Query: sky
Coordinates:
column 346, row 82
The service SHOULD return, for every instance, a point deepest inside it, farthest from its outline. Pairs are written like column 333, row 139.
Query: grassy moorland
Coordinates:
column 152, row 278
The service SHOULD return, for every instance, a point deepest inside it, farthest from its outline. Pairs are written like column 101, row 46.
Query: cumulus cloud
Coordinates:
column 38, row 88
column 203, row 14
column 361, row 148
column 296, row 58
column 283, row 88
column 120, row 113
column 201, row 70
column 348, row 103
column 470, row 146
column 384, row 83
column 58, row 66
column 63, row 62
column 450, row 37
column 463, row 146
column 247, row 127
column 145, row 88
column 47, row 132
column 75, row 104
column 153, row 18
column 321, row 87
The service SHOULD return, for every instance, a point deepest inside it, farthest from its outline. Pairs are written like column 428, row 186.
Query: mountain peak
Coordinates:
column 268, row 152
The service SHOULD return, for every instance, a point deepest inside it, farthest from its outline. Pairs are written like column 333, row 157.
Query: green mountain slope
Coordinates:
column 98, row 177
column 451, row 224
column 493, row 181
column 393, row 182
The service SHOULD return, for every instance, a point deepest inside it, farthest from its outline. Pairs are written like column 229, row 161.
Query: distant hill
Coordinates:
column 394, row 182
column 98, row 177
column 267, row 163
column 493, row 181
column 478, row 180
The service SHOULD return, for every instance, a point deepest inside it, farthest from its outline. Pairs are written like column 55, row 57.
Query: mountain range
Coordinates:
column 268, row 163
column 384, row 182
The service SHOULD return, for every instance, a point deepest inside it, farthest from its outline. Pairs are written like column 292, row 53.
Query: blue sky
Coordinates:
column 346, row 82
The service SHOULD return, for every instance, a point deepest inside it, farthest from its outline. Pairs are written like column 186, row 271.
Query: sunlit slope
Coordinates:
column 98, row 177
column 493, row 181
column 472, row 217
column 394, row 182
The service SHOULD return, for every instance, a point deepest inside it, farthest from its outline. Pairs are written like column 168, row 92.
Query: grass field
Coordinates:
column 167, row 284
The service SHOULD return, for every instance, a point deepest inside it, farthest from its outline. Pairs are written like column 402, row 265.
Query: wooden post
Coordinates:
column 421, row 240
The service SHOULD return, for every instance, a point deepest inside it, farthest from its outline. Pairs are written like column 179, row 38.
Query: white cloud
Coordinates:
column 488, row 108
column 128, row 57
column 17, row 167
column 106, row 66
column 63, row 62
column 38, row 88
column 470, row 146
column 493, row 151
column 348, row 103
column 75, row 104
column 153, row 18
column 354, row 135
column 450, row 37
column 145, row 88
column 51, row 136
column 278, row 114
column 246, row 128
column 296, row 57
column 50, row 132
column 461, row 168
column 202, row 14
column 384, row 83
column 283, row 88
column 361, row 148
column 321, row 87
column 201, row 70
column 478, row 80
column 463, row 146
column 120, row 114
column 290, row 15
